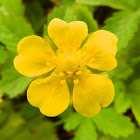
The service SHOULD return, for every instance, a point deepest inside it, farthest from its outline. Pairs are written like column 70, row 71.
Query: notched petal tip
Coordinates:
column 92, row 93
column 67, row 37
column 34, row 54
column 49, row 96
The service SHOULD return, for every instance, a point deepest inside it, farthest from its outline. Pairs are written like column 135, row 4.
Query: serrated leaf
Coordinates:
column 121, row 101
column 135, row 136
column 134, row 94
column 84, row 14
column 72, row 121
column 86, row 131
column 13, row 28
column 119, row 4
column 12, row 83
column 13, row 6
column 123, row 25
column 110, row 122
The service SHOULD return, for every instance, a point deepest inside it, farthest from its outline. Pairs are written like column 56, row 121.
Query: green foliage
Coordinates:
column 72, row 121
column 121, row 101
column 84, row 14
column 117, row 25
column 135, row 136
column 67, row 2
column 35, row 16
column 13, row 83
column 13, row 6
column 86, row 131
column 134, row 91
column 119, row 4
column 13, row 28
column 114, row 124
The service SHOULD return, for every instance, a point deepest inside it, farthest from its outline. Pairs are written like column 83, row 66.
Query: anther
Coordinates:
column 88, row 71
column 53, row 74
column 78, row 72
column 76, row 81
column 69, row 72
column 61, row 74
column 62, row 82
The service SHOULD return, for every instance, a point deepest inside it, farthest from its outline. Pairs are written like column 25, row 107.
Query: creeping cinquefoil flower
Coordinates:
column 70, row 78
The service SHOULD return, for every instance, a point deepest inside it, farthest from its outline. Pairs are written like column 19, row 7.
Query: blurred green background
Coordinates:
column 120, row 121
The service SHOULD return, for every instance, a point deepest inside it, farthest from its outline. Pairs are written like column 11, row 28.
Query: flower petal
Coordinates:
column 100, row 50
column 35, row 56
column 67, row 36
column 49, row 95
column 92, row 92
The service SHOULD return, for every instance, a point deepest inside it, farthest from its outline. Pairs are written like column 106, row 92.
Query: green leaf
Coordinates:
column 58, row 12
column 110, row 122
column 84, row 14
column 13, row 6
column 119, row 4
column 123, row 25
column 72, row 121
column 13, row 28
column 134, row 94
column 35, row 14
column 12, row 83
column 121, row 101
column 62, row 12
column 123, row 70
column 86, row 131
column 3, row 55
column 135, row 136
column 67, row 2
column 69, row 15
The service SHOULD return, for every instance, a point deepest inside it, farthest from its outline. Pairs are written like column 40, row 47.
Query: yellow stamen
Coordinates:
column 62, row 82
column 78, row 72
column 61, row 74
column 88, row 71
column 69, row 72
column 53, row 74
column 76, row 81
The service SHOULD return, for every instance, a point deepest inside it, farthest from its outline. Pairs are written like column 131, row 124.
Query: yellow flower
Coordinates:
column 69, row 67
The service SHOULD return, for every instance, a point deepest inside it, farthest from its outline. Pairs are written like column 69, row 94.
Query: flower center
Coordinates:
column 69, row 63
